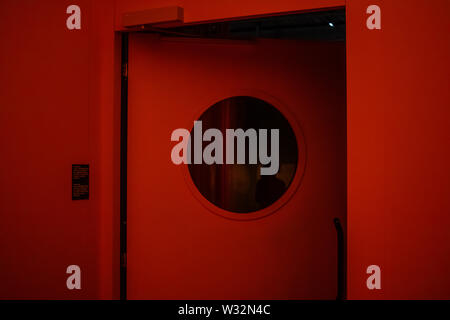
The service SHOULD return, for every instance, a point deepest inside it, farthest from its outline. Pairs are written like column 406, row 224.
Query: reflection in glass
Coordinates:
column 240, row 188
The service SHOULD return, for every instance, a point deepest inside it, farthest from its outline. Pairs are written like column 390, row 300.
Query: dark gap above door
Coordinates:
column 312, row 26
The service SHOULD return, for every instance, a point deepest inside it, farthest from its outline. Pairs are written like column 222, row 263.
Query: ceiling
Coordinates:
column 315, row 26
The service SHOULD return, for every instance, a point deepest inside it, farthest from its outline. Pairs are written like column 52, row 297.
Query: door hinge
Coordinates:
column 125, row 70
column 123, row 260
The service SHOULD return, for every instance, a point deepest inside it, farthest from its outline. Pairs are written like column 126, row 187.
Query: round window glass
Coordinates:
column 249, row 154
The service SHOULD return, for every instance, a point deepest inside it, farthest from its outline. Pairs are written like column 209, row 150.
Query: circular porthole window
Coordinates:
column 253, row 155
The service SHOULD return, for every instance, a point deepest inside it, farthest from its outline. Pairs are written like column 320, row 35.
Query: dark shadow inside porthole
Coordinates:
column 246, row 187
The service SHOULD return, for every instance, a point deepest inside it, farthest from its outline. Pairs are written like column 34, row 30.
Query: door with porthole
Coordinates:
column 239, row 202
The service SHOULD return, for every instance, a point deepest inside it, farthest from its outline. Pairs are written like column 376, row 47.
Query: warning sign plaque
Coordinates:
column 80, row 182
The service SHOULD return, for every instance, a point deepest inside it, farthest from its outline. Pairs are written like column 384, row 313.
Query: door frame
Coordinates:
column 340, row 232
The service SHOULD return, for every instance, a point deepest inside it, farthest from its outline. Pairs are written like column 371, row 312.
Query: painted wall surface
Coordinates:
column 398, row 149
column 57, row 108
column 44, row 125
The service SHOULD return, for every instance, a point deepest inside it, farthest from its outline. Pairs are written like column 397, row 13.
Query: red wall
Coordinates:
column 60, row 105
column 44, row 128
column 398, row 149
column 59, row 94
